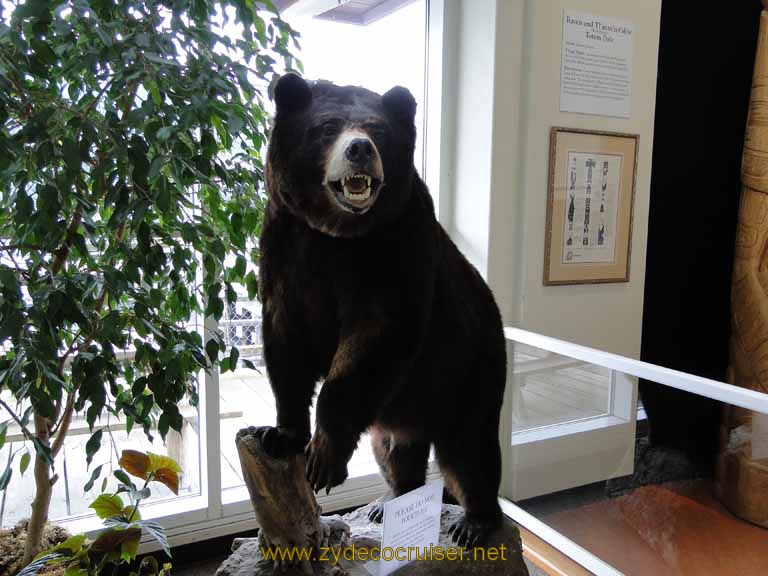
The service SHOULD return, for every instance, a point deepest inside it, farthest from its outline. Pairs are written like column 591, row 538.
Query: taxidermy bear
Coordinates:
column 362, row 288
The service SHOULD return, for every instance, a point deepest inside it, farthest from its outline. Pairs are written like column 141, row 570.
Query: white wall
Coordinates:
column 506, row 70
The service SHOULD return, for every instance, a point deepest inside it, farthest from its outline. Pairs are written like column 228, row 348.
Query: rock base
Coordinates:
column 355, row 530
column 654, row 465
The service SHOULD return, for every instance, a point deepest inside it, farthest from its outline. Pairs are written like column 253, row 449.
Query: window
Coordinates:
column 550, row 389
column 383, row 50
column 345, row 53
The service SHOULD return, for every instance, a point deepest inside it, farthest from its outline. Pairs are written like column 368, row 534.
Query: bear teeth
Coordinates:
column 357, row 196
column 364, row 195
column 358, row 176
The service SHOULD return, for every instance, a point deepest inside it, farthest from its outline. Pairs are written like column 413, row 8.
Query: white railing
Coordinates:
column 706, row 387
column 713, row 389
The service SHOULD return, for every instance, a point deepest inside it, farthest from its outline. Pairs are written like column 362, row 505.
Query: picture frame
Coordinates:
column 590, row 204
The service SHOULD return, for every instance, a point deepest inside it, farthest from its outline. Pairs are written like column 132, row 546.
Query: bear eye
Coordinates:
column 377, row 131
column 330, row 129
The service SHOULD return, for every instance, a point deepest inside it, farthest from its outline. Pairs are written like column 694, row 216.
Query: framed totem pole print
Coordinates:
column 589, row 206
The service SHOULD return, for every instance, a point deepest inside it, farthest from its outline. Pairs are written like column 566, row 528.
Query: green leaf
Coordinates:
column 93, row 445
column 234, row 355
column 132, row 512
column 157, row 165
column 24, row 464
column 108, row 506
column 212, row 350
column 154, row 92
column 240, row 265
column 72, row 544
column 42, row 450
column 71, row 154
column 252, row 284
column 249, row 364
column 3, row 432
column 5, row 477
column 159, row 462
column 94, row 475
column 118, row 544
column 164, row 133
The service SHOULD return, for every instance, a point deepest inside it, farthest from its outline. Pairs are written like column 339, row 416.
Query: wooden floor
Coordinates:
column 670, row 530
column 551, row 389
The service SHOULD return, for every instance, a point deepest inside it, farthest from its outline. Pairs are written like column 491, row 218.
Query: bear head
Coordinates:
column 341, row 157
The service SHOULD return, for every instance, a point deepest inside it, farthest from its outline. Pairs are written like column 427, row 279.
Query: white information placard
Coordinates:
column 596, row 65
column 411, row 521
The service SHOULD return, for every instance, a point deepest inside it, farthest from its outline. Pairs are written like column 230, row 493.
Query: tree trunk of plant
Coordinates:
column 43, row 492
column 284, row 503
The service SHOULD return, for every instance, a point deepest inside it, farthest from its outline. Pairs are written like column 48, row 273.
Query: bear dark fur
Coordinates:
column 376, row 301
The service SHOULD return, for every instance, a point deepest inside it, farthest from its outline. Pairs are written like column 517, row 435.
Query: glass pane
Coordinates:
column 245, row 395
column 549, row 389
column 69, row 498
column 385, row 53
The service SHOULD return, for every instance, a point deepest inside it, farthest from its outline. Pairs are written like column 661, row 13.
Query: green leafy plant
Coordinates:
column 131, row 170
column 119, row 543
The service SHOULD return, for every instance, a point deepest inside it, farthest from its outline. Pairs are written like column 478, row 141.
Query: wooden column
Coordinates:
column 742, row 470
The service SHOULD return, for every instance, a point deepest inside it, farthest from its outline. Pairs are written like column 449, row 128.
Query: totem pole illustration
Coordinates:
column 601, row 230
column 571, row 200
column 590, row 164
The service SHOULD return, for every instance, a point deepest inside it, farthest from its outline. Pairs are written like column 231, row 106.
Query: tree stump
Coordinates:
column 285, row 505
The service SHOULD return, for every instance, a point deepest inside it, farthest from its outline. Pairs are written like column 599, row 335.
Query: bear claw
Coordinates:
column 469, row 533
column 376, row 513
column 324, row 468
column 278, row 442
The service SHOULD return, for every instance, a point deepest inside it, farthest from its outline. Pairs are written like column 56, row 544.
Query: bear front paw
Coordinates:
column 279, row 442
column 470, row 532
column 326, row 467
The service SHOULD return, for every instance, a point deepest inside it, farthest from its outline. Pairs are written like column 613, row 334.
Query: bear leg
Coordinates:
column 471, row 466
column 403, row 463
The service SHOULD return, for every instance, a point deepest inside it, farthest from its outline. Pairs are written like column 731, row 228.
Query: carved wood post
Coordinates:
column 285, row 505
column 742, row 470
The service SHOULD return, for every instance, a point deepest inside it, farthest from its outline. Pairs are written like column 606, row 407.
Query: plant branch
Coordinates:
column 24, row 430
column 14, row 247
column 62, row 426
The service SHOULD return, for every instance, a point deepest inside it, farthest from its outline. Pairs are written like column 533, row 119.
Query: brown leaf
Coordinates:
column 135, row 463
column 113, row 540
column 168, row 477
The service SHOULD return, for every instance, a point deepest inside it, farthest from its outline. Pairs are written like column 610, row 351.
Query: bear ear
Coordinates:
column 291, row 93
column 400, row 102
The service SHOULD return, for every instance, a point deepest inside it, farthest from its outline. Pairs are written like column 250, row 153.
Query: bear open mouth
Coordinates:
column 356, row 192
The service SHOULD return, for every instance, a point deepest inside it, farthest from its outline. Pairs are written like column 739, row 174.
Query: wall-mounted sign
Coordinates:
column 596, row 65
column 589, row 212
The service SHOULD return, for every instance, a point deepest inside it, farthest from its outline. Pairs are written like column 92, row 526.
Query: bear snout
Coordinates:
column 354, row 173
